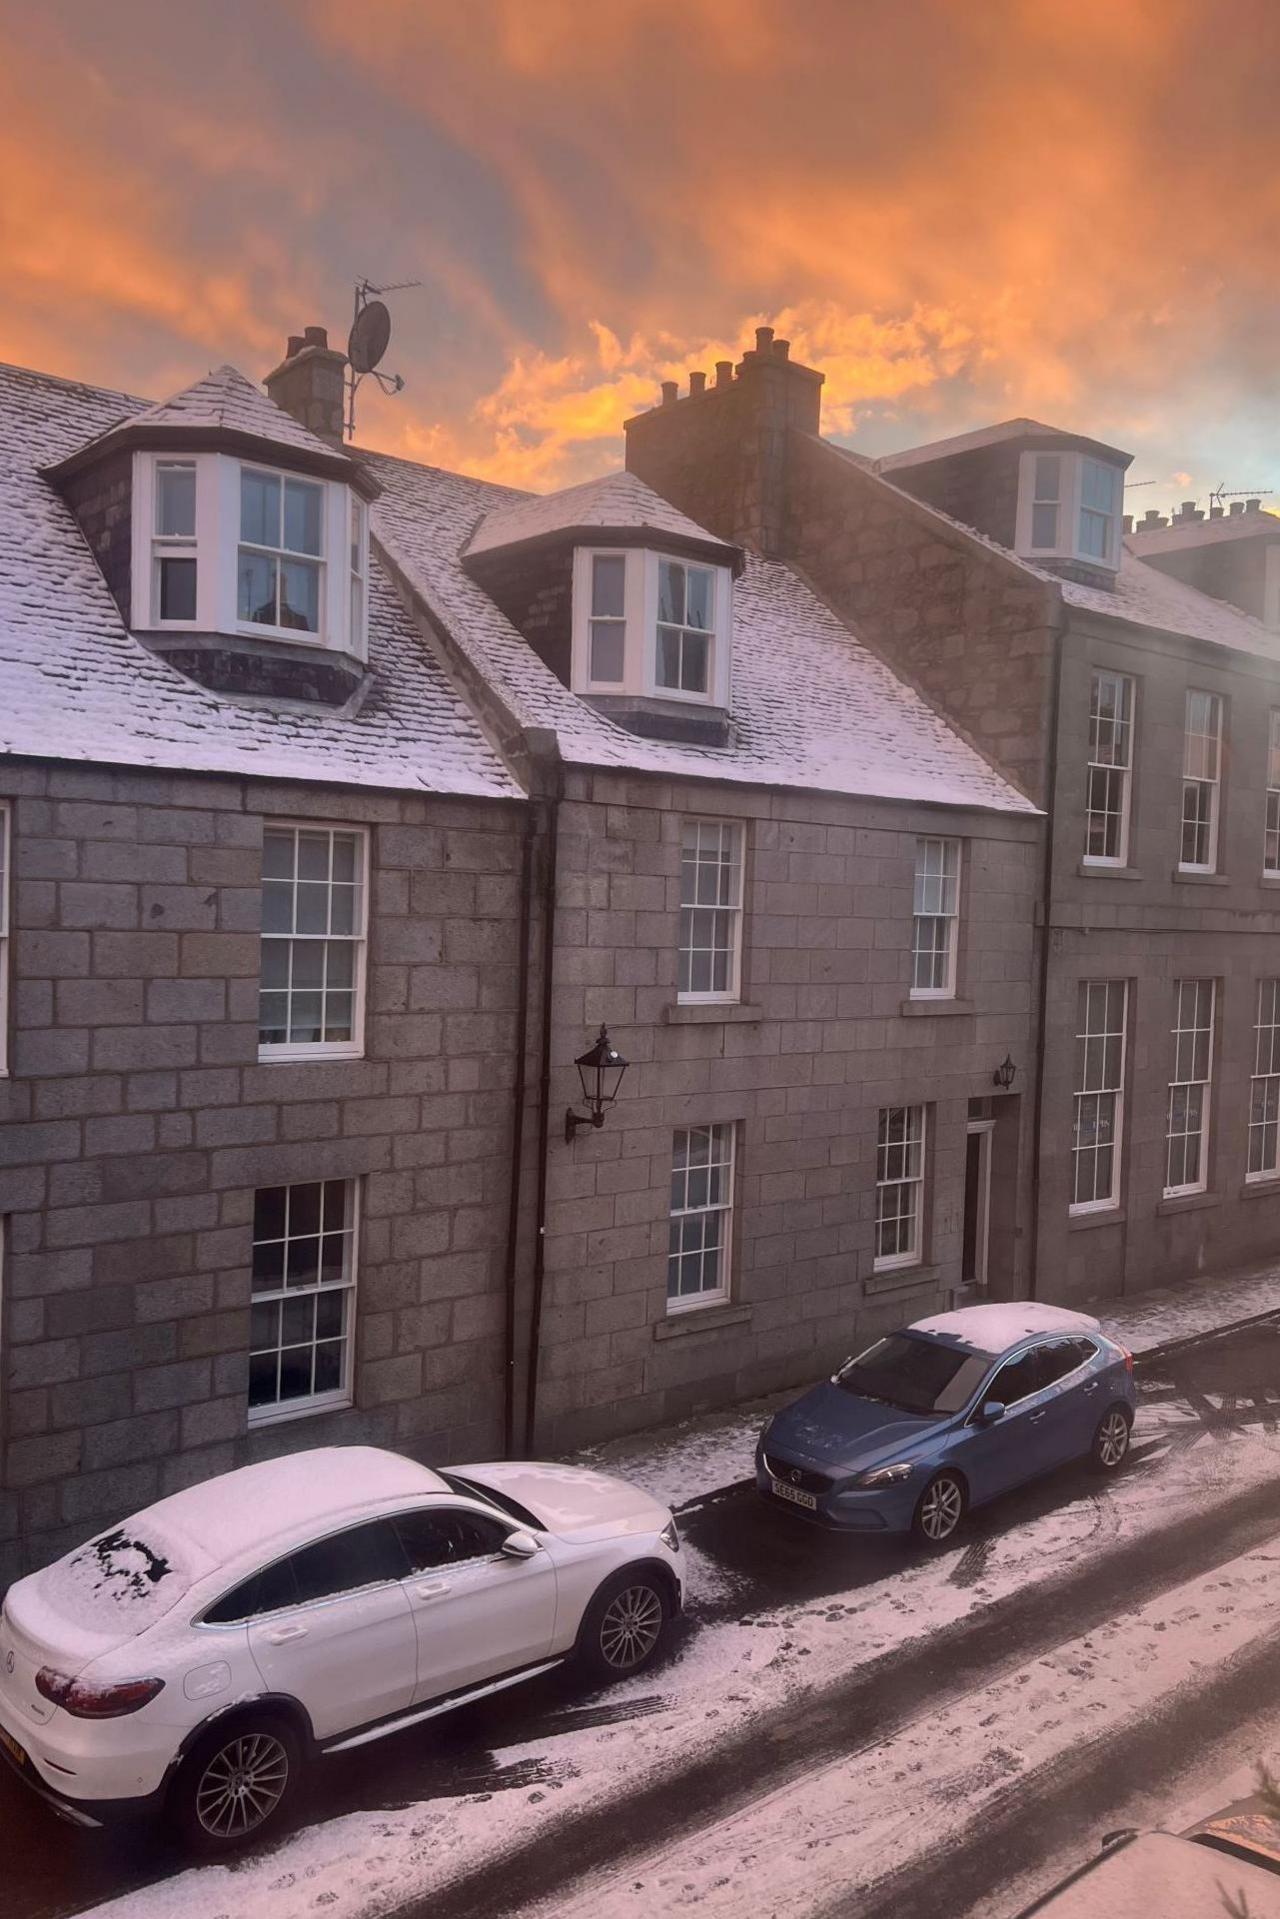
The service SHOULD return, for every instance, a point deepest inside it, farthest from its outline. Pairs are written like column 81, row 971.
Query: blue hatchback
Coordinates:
column 948, row 1414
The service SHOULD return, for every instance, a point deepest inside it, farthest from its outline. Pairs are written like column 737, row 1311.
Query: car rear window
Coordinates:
column 119, row 1583
column 916, row 1375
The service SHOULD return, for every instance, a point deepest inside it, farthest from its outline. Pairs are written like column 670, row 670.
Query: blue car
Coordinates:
column 947, row 1414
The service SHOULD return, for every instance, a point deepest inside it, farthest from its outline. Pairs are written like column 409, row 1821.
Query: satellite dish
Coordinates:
column 369, row 338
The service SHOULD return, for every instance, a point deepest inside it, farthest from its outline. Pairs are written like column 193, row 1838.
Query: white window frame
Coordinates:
column 173, row 546
column 1110, row 757
column 1264, row 1087
column 1271, row 820
column 1192, row 1051
column 358, row 565
column 916, row 1134
column 274, row 1412
column 1201, row 749
column 726, row 837
column 282, row 555
column 1109, row 1086
column 216, row 552
column 6, row 863
column 723, row 1138
column 359, row 941
column 1068, row 545
column 640, row 602
column 932, row 891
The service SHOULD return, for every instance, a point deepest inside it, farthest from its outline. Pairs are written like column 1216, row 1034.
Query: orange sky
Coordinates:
column 959, row 209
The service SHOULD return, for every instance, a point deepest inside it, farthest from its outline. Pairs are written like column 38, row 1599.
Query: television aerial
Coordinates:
column 368, row 340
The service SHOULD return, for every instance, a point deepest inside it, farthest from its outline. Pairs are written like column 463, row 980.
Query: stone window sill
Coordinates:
column 711, row 1013
column 1187, row 1203
column 1270, row 881
column 1180, row 878
column 934, row 1008
column 700, row 1319
column 1088, row 870
column 1260, row 1189
column 900, row 1279
column 1105, row 1216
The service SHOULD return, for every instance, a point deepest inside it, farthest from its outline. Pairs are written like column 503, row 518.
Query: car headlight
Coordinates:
column 885, row 1475
column 670, row 1537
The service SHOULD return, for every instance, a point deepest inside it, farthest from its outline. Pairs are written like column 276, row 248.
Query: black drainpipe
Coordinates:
column 517, row 1131
column 552, row 830
column 1046, row 934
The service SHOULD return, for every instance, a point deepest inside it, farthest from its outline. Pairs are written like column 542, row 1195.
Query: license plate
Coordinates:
column 795, row 1494
column 12, row 1747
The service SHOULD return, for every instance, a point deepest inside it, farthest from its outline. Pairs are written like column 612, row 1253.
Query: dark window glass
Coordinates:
column 1016, row 1380
column 177, row 589
column 917, row 1375
column 1058, row 1360
column 267, row 1591
column 446, row 1536
column 361, row 1556
column 503, row 1501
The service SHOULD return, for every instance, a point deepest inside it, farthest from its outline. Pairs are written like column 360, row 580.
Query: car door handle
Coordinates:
column 279, row 1636
column 1037, row 1417
column 433, row 1589
column 1091, row 1387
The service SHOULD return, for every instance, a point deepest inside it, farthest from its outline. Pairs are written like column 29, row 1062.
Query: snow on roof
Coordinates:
column 618, row 502
column 983, row 436
column 812, row 706
column 76, row 685
column 991, row 1329
column 1145, row 540
column 225, row 399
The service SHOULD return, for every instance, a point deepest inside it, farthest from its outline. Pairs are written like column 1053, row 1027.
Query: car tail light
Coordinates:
column 1128, row 1359
column 84, row 1700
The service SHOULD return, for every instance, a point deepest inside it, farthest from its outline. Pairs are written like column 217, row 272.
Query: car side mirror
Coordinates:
column 992, row 1411
column 520, row 1545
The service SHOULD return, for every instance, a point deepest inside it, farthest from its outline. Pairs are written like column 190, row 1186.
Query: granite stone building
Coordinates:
column 1141, row 713
column 344, row 800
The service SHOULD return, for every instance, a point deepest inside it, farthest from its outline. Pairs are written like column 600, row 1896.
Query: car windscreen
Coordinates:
column 916, row 1375
column 503, row 1501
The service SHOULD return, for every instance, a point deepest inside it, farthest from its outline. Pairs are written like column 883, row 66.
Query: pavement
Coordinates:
column 840, row 1726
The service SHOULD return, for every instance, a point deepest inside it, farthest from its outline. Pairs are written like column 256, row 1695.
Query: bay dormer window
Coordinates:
column 652, row 626
column 235, row 547
column 1069, row 508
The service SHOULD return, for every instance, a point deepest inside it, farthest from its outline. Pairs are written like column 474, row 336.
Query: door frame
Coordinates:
column 983, row 1128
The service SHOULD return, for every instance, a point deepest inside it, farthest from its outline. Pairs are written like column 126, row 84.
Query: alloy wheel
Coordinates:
column 940, row 1509
column 242, row 1785
column 1113, row 1439
column 630, row 1627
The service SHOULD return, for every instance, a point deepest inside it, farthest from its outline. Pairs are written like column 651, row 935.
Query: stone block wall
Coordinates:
column 138, row 1122
column 825, row 1035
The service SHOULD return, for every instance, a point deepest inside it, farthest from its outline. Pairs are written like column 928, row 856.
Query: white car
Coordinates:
column 193, row 1658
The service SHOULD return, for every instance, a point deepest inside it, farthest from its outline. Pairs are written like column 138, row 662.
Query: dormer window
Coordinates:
column 225, row 546
column 1069, row 508
column 651, row 626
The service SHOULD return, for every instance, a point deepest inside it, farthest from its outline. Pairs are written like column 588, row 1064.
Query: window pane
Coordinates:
column 256, row 593
column 1048, row 472
column 259, row 508
column 302, row 504
column 608, row 584
column 363, row 1556
column 300, row 595
column 177, row 589
column 1044, row 526
column 1098, row 486
column 176, row 502
column 670, row 593
column 608, row 651
column 693, row 670
column 668, row 673
column 700, row 582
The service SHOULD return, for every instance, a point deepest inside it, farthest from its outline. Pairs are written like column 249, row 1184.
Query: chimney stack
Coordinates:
column 1253, row 506
column 308, row 384
column 1127, row 523
column 669, row 391
column 697, row 384
column 724, row 372
column 1236, row 508
column 764, row 338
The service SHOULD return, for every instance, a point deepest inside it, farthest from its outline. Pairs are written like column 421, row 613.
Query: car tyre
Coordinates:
column 939, row 1510
column 623, row 1626
column 1110, row 1446
column 235, row 1783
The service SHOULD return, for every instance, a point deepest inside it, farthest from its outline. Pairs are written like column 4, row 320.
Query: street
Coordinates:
column 840, row 1726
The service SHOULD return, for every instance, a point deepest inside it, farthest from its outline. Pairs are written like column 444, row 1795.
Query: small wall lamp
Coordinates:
column 1003, row 1075
column 600, row 1070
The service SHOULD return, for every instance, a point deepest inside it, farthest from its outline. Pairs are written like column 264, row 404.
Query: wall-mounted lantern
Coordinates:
column 1003, row 1075
column 600, row 1070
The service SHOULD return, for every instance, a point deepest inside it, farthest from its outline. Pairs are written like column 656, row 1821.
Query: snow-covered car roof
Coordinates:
column 994, row 1328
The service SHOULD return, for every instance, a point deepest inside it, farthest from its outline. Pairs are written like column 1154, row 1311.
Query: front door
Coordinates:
column 977, row 1202
column 478, row 1611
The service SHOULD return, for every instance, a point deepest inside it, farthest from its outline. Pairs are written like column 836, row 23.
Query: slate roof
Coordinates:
column 618, row 502
column 812, row 706
column 224, row 400
column 76, row 685
column 983, row 436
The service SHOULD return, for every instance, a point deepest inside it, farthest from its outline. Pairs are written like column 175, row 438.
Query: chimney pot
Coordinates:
column 697, row 383
column 1215, row 513
column 724, row 372
column 1128, row 523
column 1187, row 510
column 669, row 391
column 316, row 336
column 294, row 347
column 781, row 348
column 1253, row 506
column 1236, row 507
column 1152, row 517
column 764, row 338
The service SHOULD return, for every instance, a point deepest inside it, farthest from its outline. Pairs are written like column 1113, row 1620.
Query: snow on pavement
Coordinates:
column 1152, row 1319
column 727, row 1677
